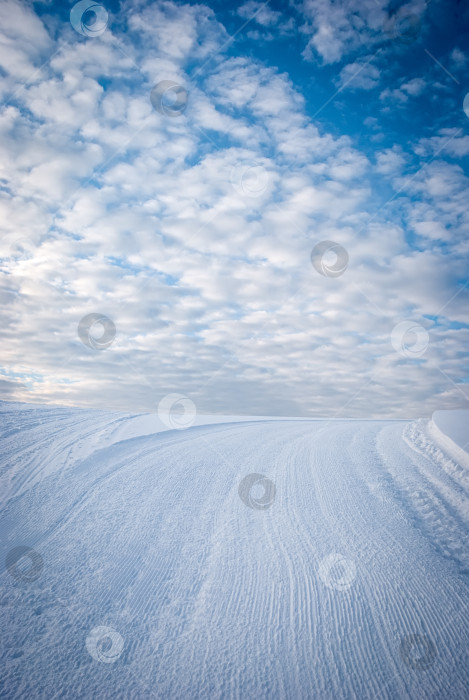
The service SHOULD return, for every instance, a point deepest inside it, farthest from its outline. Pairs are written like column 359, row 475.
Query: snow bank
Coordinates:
column 451, row 430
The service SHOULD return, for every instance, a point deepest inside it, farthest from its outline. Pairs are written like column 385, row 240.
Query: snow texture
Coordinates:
column 239, row 559
column 451, row 429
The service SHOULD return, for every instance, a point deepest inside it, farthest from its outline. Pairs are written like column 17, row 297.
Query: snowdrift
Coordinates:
column 451, row 430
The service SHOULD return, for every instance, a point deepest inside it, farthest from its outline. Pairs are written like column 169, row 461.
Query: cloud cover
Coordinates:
column 193, row 234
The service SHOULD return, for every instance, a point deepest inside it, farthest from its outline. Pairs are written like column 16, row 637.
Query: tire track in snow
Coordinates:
column 215, row 599
column 430, row 496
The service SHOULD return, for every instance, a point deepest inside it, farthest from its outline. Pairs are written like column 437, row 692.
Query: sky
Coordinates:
column 259, row 207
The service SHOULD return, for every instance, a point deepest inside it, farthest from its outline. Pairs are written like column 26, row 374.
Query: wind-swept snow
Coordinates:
column 162, row 568
column 451, row 429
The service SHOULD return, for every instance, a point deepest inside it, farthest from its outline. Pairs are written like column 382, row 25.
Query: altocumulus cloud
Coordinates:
column 192, row 230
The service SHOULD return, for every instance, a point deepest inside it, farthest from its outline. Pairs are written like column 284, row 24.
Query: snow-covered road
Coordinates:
column 161, row 569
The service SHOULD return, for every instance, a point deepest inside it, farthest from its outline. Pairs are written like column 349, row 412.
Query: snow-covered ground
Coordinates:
column 451, row 429
column 160, row 567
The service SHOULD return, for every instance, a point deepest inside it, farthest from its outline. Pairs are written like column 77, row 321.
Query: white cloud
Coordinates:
column 194, row 233
column 359, row 75
column 337, row 29
column 414, row 87
column 259, row 12
column 411, row 88
column 23, row 40
column 390, row 161
column 458, row 57
column 177, row 32
column 450, row 141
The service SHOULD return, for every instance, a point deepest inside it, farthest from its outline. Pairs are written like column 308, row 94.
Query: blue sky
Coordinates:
column 192, row 231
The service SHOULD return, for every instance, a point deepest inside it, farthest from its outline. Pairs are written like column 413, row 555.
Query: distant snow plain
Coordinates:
column 238, row 558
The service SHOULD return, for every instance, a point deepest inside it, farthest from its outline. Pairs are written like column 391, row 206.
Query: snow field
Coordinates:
column 339, row 571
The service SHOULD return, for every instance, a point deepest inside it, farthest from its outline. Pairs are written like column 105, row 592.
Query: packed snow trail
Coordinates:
column 159, row 580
